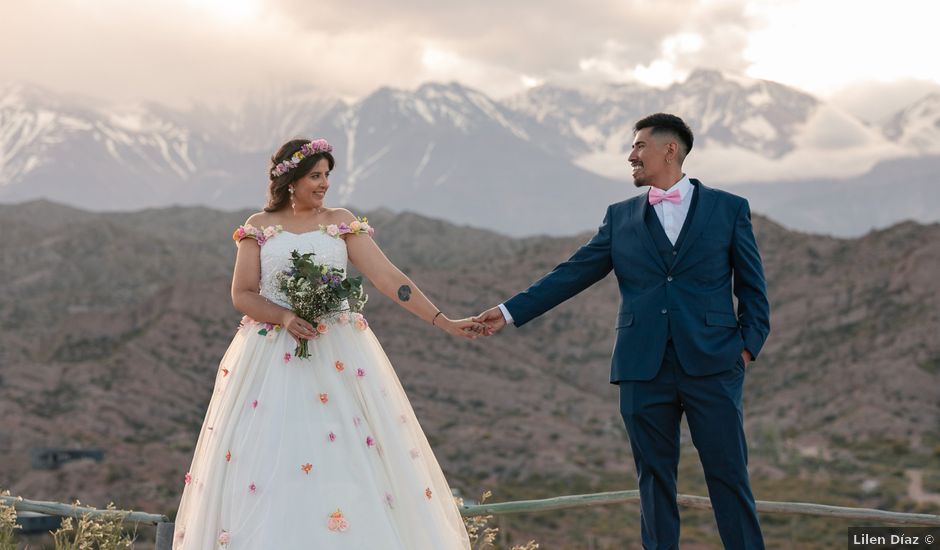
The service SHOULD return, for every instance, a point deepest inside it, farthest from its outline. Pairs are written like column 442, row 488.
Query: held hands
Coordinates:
column 464, row 328
column 492, row 319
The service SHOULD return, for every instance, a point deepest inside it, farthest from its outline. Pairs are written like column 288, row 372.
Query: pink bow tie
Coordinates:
column 657, row 196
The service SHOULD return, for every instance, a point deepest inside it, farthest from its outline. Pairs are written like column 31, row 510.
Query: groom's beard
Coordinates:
column 639, row 182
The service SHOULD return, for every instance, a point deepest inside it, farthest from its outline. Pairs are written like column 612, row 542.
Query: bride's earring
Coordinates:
column 293, row 205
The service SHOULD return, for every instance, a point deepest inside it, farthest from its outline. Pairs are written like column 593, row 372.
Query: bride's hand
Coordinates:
column 464, row 328
column 297, row 327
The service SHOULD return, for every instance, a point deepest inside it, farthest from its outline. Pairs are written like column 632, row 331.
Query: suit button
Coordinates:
column 669, row 278
column 663, row 311
column 674, row 252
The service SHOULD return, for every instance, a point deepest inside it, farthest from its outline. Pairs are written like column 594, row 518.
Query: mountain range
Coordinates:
column 556, row 154
column 112, row 326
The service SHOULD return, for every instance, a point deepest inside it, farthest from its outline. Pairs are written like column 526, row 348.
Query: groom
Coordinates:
column 679, row 253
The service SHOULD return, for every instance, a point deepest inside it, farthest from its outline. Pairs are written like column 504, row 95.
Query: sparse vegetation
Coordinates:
column 105, row 532
column 482, row 535
column 7, row 525
column 851, row 368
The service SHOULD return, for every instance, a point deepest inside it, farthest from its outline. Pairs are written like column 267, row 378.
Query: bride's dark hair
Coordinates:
column 278, row 193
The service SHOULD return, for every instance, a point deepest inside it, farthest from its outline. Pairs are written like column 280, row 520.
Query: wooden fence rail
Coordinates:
column 69, row 510
column 165, row 528
column 689, row 501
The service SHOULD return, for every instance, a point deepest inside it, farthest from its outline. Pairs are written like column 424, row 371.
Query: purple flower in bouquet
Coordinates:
column 316, row 291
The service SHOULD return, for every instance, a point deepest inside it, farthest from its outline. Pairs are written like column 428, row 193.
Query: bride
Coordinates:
column 325, row 451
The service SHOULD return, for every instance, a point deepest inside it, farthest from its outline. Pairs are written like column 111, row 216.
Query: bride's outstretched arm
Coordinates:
column 390, row 281
column 246, row 281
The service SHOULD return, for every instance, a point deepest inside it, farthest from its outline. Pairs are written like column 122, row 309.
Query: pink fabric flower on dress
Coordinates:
column 306, row 467
column 369, row 441
column 224, row 538
column 427, row 493
column 361, row 322
column 390, row 500
column 188, row 478
column 287, row 357
column 360, row 373
column 339, row 366
column 254, row 404
column 324, row 398
column 252, row 488
column 332, row 437
column 228, row 456
column 337, row 522
column 332, row 230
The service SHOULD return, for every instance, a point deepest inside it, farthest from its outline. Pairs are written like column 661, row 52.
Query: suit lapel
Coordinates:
column 703, row 212
column 642, row 231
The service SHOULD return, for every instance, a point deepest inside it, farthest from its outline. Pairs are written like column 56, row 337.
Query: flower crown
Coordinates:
column 306, row 150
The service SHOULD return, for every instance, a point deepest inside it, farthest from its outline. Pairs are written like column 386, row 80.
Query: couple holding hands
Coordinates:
column 326, row 450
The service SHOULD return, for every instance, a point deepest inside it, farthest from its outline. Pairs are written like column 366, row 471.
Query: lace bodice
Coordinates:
column 326, row 243
column 275, row 257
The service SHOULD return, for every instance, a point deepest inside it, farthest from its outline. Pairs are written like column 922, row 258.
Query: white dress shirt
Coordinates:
column 671, row 216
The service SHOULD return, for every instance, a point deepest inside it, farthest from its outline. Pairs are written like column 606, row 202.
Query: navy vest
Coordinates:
column 666, row 249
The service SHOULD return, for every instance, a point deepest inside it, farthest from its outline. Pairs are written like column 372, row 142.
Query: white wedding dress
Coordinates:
column 319, row 453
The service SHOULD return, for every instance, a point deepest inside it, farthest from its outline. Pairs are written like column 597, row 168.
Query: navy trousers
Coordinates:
column 651, row 411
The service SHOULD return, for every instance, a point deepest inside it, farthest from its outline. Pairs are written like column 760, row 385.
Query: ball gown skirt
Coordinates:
column 322, row 452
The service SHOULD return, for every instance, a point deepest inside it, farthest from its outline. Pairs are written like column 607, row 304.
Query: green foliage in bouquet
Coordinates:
column 317, row 291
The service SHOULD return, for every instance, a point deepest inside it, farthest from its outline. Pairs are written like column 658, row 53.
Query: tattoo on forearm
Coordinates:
column 404, row 293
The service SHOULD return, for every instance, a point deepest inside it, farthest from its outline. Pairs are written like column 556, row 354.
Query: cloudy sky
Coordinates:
column 871, row 56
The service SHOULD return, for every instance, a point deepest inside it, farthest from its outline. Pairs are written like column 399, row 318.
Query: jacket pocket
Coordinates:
column 624, row 320
column 717, row 319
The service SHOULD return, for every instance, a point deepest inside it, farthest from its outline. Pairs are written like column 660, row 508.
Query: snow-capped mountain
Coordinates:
column 36, row 127
column 755, row 115
column 125, row 156
column 547, row 161
column 452, row 152
column 917, row 126
column 261, row 123
column 746, row 129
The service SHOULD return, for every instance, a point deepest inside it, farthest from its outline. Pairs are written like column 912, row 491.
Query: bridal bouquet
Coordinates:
column 315, row 291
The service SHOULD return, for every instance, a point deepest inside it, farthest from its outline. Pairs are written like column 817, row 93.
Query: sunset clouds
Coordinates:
column 176, row 50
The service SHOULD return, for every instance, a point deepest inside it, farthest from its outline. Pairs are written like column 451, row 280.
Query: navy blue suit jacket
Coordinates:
column 691, row 300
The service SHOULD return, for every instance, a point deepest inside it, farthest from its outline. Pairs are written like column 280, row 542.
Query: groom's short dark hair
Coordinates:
column 664, row 123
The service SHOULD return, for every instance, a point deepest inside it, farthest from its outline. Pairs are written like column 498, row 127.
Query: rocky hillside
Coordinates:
column 113, row 325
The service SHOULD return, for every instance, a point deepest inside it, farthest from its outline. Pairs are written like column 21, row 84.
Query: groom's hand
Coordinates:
column 747, row 357
column 493, row 319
